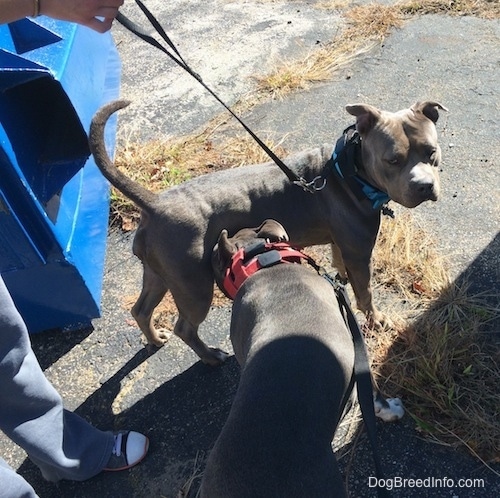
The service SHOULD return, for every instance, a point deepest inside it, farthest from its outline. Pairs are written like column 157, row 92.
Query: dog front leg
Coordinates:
column 338, row 262
column 387, row 409
column 359, row 273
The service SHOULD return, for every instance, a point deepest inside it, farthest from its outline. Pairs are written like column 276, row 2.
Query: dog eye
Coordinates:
column 393, row 161
column 432, row 156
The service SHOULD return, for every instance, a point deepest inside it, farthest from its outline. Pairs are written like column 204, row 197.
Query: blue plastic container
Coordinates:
column 54, row 203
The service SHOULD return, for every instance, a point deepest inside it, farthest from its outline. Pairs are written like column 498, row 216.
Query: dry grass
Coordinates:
column 406, row 259
column 333, row 4
column 366, row 27
column 373, row 21
column 486, row 9
column 196, row 475
column 440, row 362
column 162, row 164
column 447, row 372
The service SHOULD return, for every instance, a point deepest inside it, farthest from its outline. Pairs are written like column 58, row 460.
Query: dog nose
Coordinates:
column 427, row 191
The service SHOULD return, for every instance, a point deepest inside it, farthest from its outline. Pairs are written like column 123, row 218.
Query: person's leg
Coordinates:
column 13, row 485
column 60, row 442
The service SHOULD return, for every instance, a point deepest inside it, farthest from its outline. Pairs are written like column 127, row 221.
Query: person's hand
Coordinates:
column 95, row 14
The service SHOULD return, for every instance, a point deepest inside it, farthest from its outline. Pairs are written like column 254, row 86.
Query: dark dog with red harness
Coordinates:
column 297, row 359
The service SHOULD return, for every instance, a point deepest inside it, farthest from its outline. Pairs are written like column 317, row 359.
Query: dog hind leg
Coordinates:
column 153, row 290
column 193, row 303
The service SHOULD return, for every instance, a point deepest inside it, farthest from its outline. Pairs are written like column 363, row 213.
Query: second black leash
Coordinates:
column 362, row 377
column 309, row 186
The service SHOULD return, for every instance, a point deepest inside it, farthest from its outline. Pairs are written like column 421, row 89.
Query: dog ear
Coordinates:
column 428, row 109
column 273, row 231
column 223, row 252
column 366, row 116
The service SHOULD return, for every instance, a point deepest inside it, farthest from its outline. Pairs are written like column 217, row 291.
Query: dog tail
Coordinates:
column 142, row 197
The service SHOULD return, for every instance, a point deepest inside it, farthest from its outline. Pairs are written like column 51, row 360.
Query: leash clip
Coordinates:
column 315, row 185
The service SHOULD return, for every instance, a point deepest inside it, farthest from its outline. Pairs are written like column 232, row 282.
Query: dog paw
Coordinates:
column 215, row 357
column 378, row 321
column 159, row 338
column 390, row 410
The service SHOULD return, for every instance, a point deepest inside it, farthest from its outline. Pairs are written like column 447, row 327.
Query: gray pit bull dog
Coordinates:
column 297, row 358
column 398, row 156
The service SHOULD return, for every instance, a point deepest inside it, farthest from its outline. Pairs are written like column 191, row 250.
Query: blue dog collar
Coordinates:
column 377, row 197
column 345, row 164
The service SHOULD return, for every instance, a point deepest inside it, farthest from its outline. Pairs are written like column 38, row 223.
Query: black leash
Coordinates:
column 364, row 386
column 312, row 186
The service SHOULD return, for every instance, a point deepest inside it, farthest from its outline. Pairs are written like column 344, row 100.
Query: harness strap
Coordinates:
column 248, row 261
column 177, row 58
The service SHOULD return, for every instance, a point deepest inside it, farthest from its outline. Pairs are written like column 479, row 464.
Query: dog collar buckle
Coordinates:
column 387, row 211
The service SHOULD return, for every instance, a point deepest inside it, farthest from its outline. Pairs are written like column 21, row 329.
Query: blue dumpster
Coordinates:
column 54, row 203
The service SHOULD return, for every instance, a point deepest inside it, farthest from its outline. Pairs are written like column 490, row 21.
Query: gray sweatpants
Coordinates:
column 59, row 442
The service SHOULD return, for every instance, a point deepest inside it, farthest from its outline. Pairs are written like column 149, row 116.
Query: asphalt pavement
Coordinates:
column 107, row 375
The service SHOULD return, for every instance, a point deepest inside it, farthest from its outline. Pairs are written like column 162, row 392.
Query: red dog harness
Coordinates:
column 249, row 260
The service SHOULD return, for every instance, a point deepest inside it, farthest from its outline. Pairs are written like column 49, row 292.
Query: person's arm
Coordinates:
column 12, row 10
column 85, row 12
